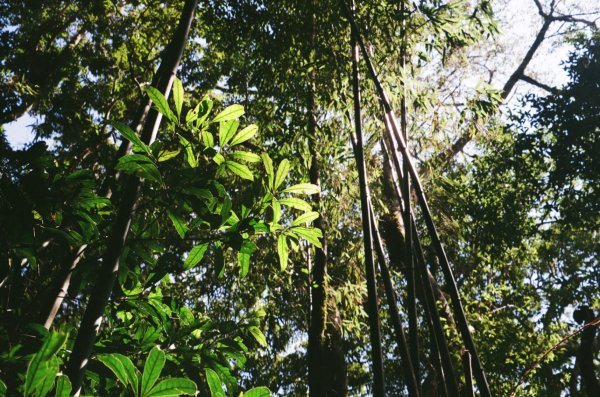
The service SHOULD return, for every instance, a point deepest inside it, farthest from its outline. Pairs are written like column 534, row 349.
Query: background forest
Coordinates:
column 189, row 216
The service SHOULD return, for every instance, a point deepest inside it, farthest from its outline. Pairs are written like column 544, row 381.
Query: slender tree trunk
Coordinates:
column 372, row 304
column 326, row 363
column 92, row 318
column 162, row 81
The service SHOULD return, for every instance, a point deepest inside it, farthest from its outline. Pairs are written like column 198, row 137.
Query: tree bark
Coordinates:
column 326, row 362
column 586, row 353
column 92, row 318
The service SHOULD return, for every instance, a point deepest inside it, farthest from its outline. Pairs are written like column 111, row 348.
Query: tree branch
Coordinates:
column 545, row 87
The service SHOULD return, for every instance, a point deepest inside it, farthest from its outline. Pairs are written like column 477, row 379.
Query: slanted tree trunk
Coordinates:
column 107, row 274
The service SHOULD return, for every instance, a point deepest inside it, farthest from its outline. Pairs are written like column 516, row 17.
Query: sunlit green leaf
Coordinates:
column 133, row 375
column 152, row 368
column 173, row 387
column 131, row 136
column 160, row 103
column 63, row 387
column 311, row 235
column 258, row 335
column 276, row 211
column 178, row 96
column 239, row 169
column 192, row 114
column 116, row 366
column 229, row 113
column 244, row 263
column 207, row 139
column 205, row 107
column 246, row 156
column 195, row 256
column 226, row 131
column 268, row 167
column 257, row 392
column 244, row 135
column 178, row 223
column 296, row 203
column 305, row 188
column 41, row 366
column 214, row 383
column 167, row 155
column 305, row 218
column 282, row 251
column 189, row 152
column 282, row 172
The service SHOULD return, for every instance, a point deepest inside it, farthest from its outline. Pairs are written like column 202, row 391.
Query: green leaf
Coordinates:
column 244, row 135
column 225, row 209
column 165, row 155
column 116, row 366
column 189, row 152
column 133, row 375
column 214, row 383
column 296, row 203
column 247, row 249
column 229, row 113
column 244, row 262
column 276, row 211
column 246, row 156
column 178, row 223
column 178, row 96
column 207, row 139
column 140, row 166
column 239, row 169
column 192, row 115
column 268, row 167
column 3, row 388
column 173, row 387
column 282, row 172
column 218, row 158
column 63, row 387
column 219, row 261
column 226, row 131
column 305, row 188
column 205, row 107
column 130, row 135
column 282, row 250
column 160, row 103
column 311, row 235
column 154, row 365
column 195, row 256
column 305, row 218
column 46, row 383
column 257, row 392
column 258, row 335
column 40, row 366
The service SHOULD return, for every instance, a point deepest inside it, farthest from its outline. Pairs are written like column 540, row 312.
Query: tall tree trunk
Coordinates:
column 586, row 353
column 92, row 318
column 326, row 363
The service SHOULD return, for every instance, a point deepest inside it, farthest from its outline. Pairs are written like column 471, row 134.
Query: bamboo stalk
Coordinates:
column 462, row 323
column 107, row 274
column 373, row 310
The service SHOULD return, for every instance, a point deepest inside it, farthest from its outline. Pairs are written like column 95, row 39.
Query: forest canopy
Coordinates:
column 325, row 198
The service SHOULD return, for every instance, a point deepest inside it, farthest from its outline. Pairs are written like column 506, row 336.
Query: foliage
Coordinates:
column 213, row 291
